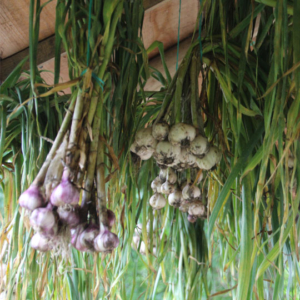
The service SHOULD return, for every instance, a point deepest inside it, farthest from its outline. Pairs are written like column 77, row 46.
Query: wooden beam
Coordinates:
column 160, row 23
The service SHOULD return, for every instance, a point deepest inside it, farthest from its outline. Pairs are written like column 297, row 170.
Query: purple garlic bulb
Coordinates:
column 32, row 198
column 106, row 241
column 87, row 237
column 40, row 242
column 68, row 216
column 82, row 239
column 65, row 193
column 43, row 220
column 75, row 232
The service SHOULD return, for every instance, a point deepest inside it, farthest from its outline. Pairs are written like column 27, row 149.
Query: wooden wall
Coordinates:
column 160, row 23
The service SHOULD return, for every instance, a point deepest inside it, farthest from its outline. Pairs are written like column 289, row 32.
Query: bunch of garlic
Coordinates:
column 179, row 147
column 175, row 149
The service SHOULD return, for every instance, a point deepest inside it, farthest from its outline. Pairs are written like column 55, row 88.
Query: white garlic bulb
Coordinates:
column 157, row 201
column 191, row 192
column 199, row 146
column 166, row 153
column 156, row 185
column 144, row 138
column 175, row 198
column 197, row 209
column 167, row 188
column 160, row 131
column 182, row 134
column 212, row 158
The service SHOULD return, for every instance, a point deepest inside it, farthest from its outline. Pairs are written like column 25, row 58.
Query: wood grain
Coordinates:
column 14, row 25
column 160, row 23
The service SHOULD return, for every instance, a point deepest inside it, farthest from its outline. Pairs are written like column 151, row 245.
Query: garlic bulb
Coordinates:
column 167, row 188
column 197, row 209
column 160, row 131
column 182, row 134
column 171, row 176
column 175, row 198
column 142, row 151
column 168, row 174
column 163, row 174
column 199, row 146
column 212, row 158
column 157, row 201
column 144, row 138
column 191, row 192
column 186, row 157
column 146, row 155
column 166, row 153
column 156, row 185
column 184, row 206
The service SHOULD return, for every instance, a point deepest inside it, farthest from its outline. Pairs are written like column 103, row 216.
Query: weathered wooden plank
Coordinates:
column 14, row 25
column 160, row 23
column 163, row 20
